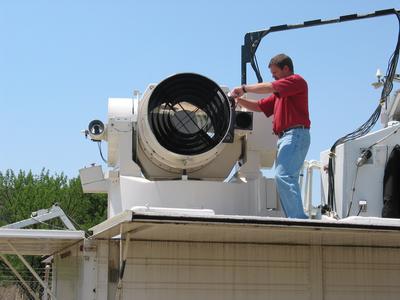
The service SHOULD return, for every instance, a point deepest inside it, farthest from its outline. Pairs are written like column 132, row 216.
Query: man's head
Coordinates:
column 281, row 66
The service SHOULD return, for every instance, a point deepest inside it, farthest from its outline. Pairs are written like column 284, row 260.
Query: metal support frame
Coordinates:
column 309, row 166
column 43, row 215
column 253, row 39
column 46, row 280
column 29, row 267
column 122, row 266
column 16, row 273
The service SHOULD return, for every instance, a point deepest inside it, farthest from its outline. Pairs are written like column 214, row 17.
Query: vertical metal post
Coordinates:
column 309, row 189
column 244, row 65
column 301, row 176
column 122, row 265
column 309, row 167
column 46, row 281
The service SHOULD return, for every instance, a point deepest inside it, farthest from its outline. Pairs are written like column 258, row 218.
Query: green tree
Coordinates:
column 24, row 192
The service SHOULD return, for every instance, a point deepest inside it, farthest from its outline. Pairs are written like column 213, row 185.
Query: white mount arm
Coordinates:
column 41, row 216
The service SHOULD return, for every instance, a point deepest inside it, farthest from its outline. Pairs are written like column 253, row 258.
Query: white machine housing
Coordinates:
column 158, row 163
column 359, row 189
column 133, row 151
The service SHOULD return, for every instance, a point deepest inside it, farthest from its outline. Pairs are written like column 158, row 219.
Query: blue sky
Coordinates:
column 61, row 60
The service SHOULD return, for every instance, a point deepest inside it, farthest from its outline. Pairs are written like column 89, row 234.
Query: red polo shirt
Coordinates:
column 289, row 104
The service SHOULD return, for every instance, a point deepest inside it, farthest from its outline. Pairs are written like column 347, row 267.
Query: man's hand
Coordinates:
column 237, row 92
column 237, row 99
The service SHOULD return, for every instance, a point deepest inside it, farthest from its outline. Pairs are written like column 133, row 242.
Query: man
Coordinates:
column 289, row 105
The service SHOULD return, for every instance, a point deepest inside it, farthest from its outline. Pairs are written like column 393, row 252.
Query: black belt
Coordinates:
column 280, row 134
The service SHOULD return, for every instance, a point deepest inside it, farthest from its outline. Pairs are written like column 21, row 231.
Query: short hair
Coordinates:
column 282, row 60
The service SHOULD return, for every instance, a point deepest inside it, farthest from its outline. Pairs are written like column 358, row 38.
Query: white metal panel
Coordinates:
column 361, row 273
column 120, row 108
column 366, row 179
column 222, row 197
column 102, row 275
column 37, row 241
column 393, row 110
column 82, row 271
column 92, row 180
column 265, row 234
column 246, row 229
column 176, row 258
column 262, row 139
column 171, row 270
column 65, row 271
column 182, row 270
column 88, row 272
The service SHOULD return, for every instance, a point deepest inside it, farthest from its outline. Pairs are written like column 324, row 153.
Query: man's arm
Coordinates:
column 258, row 88
column 248, row 103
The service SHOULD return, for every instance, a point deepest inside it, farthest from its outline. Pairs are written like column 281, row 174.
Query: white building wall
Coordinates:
column 361, row 273
column 170, row 270
column 66, row 269
column 201, row 270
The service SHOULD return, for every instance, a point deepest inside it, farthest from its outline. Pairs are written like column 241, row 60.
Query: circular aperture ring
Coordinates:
column 189, row 114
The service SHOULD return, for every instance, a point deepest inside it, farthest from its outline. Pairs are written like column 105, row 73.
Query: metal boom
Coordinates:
column 253, row 39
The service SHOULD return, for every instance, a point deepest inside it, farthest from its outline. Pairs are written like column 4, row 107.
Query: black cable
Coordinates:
column 391, row 70
column 79, row 226
column 101, row 152
column 359, row 211
column 353, row 190
column 367, row 126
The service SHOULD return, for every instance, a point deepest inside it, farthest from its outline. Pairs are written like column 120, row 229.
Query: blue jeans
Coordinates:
column 292, row 150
